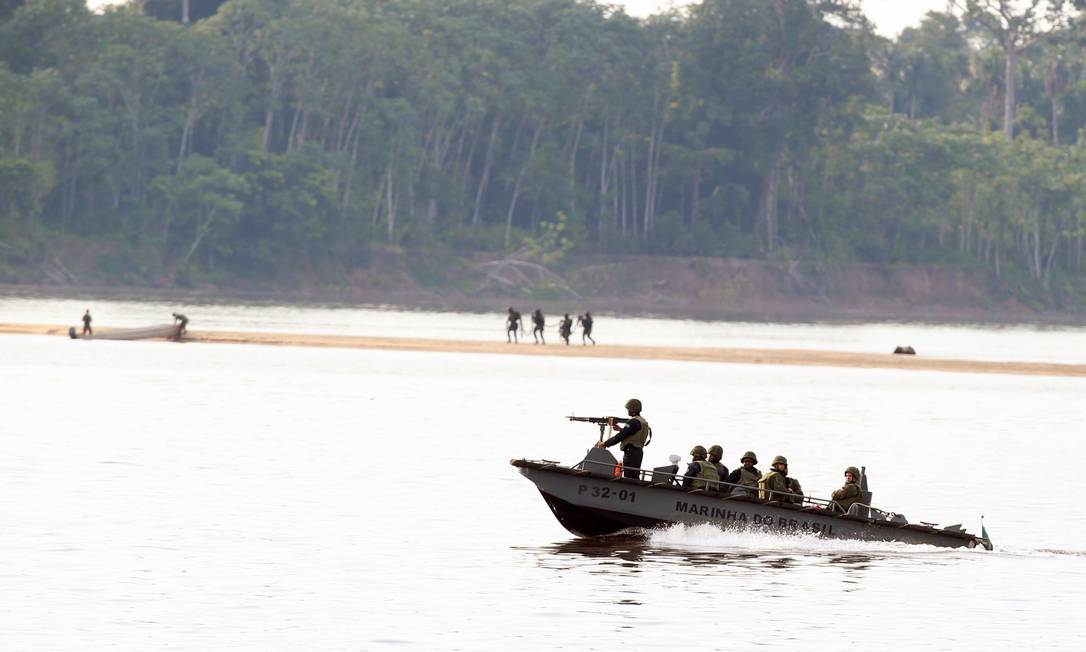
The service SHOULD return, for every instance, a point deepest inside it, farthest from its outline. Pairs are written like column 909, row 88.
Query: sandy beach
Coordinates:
column 793, row 357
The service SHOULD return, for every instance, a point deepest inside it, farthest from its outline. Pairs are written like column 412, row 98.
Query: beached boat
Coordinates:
column 167, row 331
column 592, row 499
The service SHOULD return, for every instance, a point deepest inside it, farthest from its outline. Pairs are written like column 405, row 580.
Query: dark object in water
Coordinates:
column 905, row 350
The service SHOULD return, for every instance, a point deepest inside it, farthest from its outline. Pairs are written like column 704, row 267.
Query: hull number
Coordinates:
column 607, row 493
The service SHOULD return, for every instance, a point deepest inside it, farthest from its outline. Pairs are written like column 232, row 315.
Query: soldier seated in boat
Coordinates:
column 716, row 453
column 777, row 486
column 844, row 497
column 745, row 476
column 701, row 474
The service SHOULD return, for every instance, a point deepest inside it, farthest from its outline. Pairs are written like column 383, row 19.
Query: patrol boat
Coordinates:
column 591, row 498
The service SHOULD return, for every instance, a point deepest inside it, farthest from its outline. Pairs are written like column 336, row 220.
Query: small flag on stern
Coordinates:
column 984, row 533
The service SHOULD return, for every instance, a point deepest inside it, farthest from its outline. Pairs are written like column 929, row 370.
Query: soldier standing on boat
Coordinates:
column 844, row 497
column 537, row 326
column 512, row 323
column 701, row 474
column 585, row 321
column 776, row 485
column 747, row 475
column 178, row 317
column 716, row 453
column 565, row 327
column 632, row 439
column 87, row 330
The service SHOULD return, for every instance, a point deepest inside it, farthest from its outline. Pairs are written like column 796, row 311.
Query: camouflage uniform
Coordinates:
column 847, row 495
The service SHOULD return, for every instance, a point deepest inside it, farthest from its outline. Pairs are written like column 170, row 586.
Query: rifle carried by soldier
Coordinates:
column 602, row 422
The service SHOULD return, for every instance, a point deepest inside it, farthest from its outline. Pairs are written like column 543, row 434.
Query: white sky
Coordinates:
column 889, row 16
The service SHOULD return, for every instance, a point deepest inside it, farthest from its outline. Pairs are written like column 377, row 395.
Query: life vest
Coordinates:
column 639, row 439
column 707, row 477
column 749, row 478
column 769, row 486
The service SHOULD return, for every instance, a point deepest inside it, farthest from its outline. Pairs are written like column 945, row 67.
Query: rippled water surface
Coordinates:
column 157, row 495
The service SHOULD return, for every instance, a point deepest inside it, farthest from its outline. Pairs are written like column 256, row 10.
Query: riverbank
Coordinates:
column 724, row 289
column 790, row 357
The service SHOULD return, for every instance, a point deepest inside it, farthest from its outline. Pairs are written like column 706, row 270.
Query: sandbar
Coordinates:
column 791, row 357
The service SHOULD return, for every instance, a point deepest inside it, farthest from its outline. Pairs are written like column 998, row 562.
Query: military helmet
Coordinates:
column 751, row 455
column 780, row 459
column 633, row 404
column 854, row 471
column 698, row 451
column 715, row 449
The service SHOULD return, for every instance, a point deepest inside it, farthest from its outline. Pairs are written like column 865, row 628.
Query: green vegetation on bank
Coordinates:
column 269, row 133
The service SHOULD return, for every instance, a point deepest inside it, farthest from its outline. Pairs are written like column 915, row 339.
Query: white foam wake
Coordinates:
column 706, row 537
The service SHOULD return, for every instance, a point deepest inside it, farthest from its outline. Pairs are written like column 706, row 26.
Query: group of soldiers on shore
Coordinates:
column 515, row 324
column 707, row 471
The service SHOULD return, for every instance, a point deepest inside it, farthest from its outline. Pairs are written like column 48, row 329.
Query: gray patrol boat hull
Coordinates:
column 589, row 503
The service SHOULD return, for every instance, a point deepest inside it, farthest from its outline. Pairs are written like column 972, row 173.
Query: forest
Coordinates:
column 243, row 138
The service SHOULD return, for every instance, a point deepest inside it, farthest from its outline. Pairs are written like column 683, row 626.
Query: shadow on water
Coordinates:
column 634, row 551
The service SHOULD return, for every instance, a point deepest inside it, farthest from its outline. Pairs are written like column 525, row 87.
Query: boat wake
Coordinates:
column 708, row 538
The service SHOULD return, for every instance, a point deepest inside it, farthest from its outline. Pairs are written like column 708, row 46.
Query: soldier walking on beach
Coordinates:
column 537, row 326
column 585, row 321
column 513, row 323
column 87, row 330
column 565, row 327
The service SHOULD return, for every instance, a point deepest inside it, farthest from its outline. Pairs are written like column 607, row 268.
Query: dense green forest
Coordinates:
column 262, row 134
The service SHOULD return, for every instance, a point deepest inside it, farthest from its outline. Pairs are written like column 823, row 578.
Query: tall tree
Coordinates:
column 1015, row 27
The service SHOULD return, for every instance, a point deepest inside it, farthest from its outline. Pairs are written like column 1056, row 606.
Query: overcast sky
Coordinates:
column 889, row 16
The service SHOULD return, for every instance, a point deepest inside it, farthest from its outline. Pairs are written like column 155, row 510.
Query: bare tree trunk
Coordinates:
column 184, row 12
column 767, row 212
column 520, row 180
column 202, row 229
column 1055, row 120
column 488, row 161
column 632, row 183
column 1035, row 250
column 603, row 169
column 652, row 175
column 293, row 130
column 1008, row 94
column 350, row 174
column 186, row 133
column 390, row 206
column 379, row 202
column 573, row 166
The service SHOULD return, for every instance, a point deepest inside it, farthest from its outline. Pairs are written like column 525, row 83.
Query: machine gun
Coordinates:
column 602, row 422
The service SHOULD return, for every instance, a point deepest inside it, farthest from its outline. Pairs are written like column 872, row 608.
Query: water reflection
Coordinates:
column 640, row 551
column 633, row 552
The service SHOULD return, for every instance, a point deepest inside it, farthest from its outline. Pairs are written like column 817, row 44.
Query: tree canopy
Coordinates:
column 271, row 131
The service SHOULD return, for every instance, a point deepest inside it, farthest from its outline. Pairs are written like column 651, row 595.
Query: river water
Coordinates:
column 188, row 496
